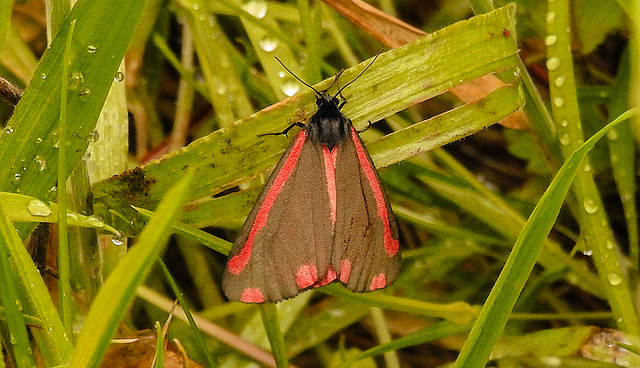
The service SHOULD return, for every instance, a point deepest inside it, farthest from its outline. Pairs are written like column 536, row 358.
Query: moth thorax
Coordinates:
column 328, row 125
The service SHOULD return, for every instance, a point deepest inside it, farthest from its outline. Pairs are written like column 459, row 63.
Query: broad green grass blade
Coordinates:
column 398, row 79
column 102, row 33
column 113, row 298
column 503, row 296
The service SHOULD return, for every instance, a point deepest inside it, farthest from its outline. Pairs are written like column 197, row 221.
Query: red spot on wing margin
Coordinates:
column 328, row 277
column 306, row 275
column 378, row 282
column 391, row 245
column 252, row 295
column 238, row 262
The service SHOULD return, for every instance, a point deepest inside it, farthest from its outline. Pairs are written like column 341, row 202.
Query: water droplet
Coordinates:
column 12, row 339
column 221, row 89
column 86, row 156
column 93, row 136
column 587, row 168
column 558, row 101
column 76, row 80
column 19, row 304
column 337, row 313
column 609, row 245
column 565, row 140
column 559, row 82
column 564, row 123
column 91, row 49
column 38, row 208
column 553, row 63
column 268, row 43
column 38, row 140
column 588, row 252
column 8, row 129
column 53, row 192
column 119, row 77
column 72, row 216
column 43, row 76
column 614, row 279
column 84, row 93
column 290, row 87
column 17, row 177
column 41, row 163
column 195, row 6
column 590, row 206
column 282, row 74
column 118, row 238
column 551, row 17
column 612, row 134
column 95, row 221
column 257, row 8
column 550, row 40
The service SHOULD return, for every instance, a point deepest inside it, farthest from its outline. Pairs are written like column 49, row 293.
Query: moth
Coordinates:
column 322, row 217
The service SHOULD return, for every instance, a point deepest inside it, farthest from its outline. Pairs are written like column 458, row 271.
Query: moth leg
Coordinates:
column 286, row 131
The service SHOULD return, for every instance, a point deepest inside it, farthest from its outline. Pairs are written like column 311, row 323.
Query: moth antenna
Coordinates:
column 358, row 76
column 300, row 80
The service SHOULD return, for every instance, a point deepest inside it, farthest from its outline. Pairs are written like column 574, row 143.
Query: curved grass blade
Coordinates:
column 503, row 296
column 110, row 304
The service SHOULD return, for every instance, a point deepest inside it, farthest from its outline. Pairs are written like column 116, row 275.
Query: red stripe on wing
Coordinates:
column 330, row 173
column 239, row 261
column 391, row 245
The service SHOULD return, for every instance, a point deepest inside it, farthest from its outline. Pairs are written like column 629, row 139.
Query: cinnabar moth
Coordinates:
column 323, row 216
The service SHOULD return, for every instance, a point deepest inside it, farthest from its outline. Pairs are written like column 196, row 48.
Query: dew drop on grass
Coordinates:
column 590, row 206
column 41, row 163
column 257, row 8
column 290, row 87
column 553, row 63
column 268, row 43
column 118, row 238
column 550, row 40
column 38, row 208
column 119, row 77
column 614, row 279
